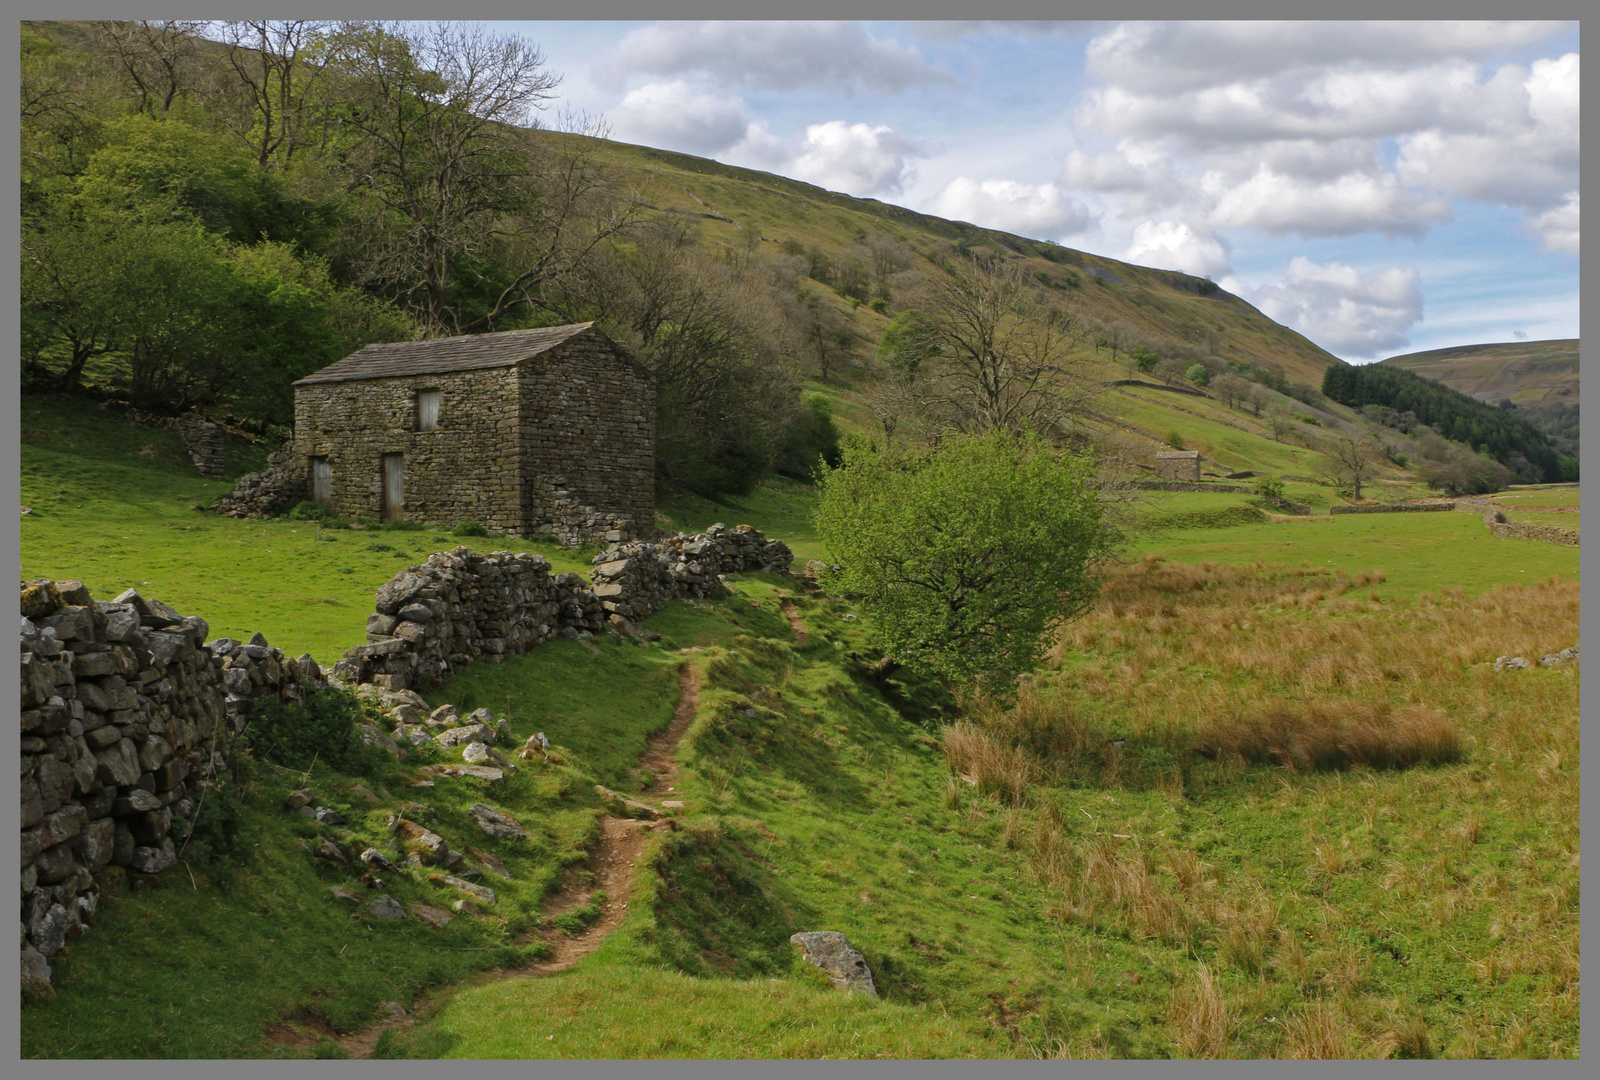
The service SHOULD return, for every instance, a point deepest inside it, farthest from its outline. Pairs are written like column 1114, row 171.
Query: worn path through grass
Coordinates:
column 605, row 886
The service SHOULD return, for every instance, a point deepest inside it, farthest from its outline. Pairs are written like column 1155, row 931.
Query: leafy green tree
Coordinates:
column 965, row 556
column 1196, row 373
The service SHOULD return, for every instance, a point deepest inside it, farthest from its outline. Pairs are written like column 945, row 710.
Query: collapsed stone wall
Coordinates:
column 127, row 714
column 263, row 494
column 203, row 441
column 1549, row 534
column 460, row 607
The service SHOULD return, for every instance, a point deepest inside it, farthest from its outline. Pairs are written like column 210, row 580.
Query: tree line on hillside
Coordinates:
column 1403, row 399
column 206, row 219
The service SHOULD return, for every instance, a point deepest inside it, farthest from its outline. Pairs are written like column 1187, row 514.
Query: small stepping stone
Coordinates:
column 672, row 804
column 438, row 918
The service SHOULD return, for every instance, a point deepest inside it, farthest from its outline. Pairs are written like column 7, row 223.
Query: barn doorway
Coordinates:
column 394, row 487
column 321, row 481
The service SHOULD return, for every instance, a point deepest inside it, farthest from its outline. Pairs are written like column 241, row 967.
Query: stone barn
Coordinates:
column 1178, row 465
column 526, row 431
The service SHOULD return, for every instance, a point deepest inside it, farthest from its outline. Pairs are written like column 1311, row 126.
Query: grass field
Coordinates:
column 1383, row 863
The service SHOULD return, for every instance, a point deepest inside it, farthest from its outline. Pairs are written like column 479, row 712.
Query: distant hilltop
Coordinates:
column 1527, row 372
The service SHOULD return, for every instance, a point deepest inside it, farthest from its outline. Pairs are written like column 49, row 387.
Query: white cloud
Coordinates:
column 1041, row 211
column 857, row 159
column 1557, row 229
column 1291, row 127
column 1278, row 204
column 954, row 29
column 1172, row 245
column 1516, row 144
column 840, row 57
column 673, row 116
column 1171, row 57
column 1349, row 313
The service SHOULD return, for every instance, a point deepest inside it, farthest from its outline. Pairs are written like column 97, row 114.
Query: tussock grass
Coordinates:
column 983, row 759
column 1337, row 735
column 1379, row 818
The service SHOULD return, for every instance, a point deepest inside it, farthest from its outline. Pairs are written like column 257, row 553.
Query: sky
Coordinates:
column 1381, row 187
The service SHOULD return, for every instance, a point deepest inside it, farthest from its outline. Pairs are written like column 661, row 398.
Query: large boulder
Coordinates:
column 832, row 952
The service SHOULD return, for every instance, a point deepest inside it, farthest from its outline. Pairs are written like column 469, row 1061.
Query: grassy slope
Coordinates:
column 825, row 809
column 1524, row 371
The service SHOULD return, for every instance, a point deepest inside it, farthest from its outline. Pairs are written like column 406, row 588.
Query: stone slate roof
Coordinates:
column 470, row 352
column 1159, row 453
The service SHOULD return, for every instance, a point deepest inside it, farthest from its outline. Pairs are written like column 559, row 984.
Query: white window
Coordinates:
column 428, row 402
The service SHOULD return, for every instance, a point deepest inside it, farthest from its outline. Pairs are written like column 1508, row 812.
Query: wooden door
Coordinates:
column 321, row 481
column 394, row 487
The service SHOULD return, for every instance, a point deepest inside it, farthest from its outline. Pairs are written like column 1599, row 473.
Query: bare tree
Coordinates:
column 278, row 65
column 1351, row 459
column 446, row 174
column 823, row 333
column 158, row 56
column 1170, row 370
column 889, row 256
column 996, row 357
column 1231, row 388
column 1257, row 398
column 1280, row 423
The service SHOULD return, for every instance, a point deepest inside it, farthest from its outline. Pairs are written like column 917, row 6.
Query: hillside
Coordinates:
column 728, row 203
column 1523, row 371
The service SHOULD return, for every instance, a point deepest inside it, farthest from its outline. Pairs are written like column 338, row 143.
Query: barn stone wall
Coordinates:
column 465, row 470
column 587, row 431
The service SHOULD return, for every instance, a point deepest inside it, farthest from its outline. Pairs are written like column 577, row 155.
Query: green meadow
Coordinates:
column 1020, row 883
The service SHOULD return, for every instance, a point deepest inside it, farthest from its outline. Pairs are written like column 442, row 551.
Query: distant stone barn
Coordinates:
column 1178, row 465
column 526, row 431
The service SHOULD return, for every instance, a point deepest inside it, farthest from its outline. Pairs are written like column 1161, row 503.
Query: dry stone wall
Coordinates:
column 272, row 491
column 127, row 714
column 1180, row 485
column 460, row 607
column 203, row 441
column 1549, row 534
column 1391, row 508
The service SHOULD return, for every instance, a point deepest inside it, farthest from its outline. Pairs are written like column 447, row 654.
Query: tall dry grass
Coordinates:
column 1199, row 1016
column 1336, row 735
column 982, row 758
column 1297, row 671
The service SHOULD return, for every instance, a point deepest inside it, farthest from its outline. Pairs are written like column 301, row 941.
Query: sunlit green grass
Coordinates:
column 1417, row 553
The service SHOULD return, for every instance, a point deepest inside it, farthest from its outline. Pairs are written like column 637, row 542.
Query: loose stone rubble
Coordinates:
column 272, row 491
